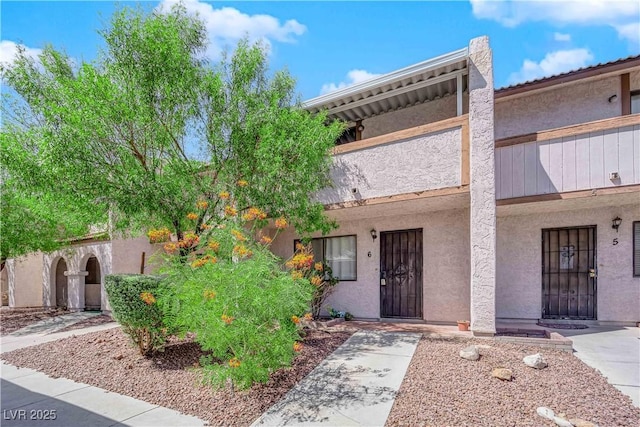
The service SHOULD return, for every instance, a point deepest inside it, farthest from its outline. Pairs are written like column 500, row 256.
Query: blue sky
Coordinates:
column 327, row 45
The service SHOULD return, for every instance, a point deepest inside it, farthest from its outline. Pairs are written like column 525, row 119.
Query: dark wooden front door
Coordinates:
column 401, row 274
column 569, row 273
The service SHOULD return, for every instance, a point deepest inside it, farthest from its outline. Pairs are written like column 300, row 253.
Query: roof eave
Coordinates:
column 421, row 67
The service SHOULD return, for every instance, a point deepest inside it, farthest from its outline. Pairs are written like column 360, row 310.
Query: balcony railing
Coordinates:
column 599, row 154
column 427, row 158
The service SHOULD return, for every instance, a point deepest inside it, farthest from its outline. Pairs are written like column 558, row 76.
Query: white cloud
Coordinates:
column 9, row 49
column 227, row 25
column 561, row 37
column 630, row 31
column 619, row 14
column 553, row 63
column 353, row 78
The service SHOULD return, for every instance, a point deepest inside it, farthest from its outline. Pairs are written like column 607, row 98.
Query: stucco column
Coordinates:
column 482, row 188
column 75, row 289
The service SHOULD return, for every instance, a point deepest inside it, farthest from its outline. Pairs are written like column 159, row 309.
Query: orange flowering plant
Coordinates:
column 319, row 274
column 245, row 309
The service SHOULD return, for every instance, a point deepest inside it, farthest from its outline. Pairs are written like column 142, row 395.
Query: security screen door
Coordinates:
column 401, row 274
column 569, row 273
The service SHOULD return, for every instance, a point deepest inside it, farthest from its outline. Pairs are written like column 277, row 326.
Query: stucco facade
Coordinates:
column 424, row 162
column 519, row 249
column 574, row 103
column 32, row 279
column 479, row 172
column 445, row 286
column 27, row 290
column 416, row 115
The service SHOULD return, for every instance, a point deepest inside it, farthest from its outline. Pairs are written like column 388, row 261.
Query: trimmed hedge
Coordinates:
column 133, row 303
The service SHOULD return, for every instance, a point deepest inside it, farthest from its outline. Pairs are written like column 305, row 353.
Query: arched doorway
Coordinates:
column 92, row 285
column 62, row 297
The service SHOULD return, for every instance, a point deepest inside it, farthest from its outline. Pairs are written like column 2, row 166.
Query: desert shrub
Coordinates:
column 320, row 276
column 243, row 307
column 133, row 303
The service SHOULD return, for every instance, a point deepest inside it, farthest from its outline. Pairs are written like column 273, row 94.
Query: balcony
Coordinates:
column 596, row 155
column 431, row 159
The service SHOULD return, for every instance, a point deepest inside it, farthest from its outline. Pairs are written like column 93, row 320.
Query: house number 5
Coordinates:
column 615, row 241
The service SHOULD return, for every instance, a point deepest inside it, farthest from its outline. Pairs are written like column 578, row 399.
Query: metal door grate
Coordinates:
column 569, row 273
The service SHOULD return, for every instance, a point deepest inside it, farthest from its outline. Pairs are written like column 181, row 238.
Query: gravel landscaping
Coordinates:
column 442, row 389
column 12, row 319
column 106, row 359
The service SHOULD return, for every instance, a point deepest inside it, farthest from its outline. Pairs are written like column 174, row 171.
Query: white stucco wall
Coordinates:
column 425, row 162
column 445, row 263
column 519, row 273
column 558, row 106
column 428, row 112
column 25, row 280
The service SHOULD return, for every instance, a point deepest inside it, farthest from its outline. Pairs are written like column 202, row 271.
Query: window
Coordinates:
column 636, row 248
column 635, row 102
column 339, row 253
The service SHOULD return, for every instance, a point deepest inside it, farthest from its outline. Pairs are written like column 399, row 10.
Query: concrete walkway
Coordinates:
column 614, row 351
column 54, row 324
column 354, row 386
column 45, row 331
column 31, row 398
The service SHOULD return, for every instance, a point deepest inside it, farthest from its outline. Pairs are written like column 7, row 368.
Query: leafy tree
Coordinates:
column 150, row 129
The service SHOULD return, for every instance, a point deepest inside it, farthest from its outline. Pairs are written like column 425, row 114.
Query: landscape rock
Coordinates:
column 561, row 422
column 470, row 353
column 578, row 422
column 502, row 373
column 535, row 361
column 545, row 412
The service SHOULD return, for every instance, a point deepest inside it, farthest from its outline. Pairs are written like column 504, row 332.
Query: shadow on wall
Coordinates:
column 346, row 177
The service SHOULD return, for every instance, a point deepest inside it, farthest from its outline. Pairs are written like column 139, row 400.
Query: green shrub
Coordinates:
column 242, row 306
column 133, row 303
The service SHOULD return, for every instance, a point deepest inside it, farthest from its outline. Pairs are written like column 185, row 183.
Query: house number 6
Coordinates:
column 615, row 241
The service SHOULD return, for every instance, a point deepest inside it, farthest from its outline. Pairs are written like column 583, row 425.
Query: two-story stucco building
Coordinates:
column 457, row 201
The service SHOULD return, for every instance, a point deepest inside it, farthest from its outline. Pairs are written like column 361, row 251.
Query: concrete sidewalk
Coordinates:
column 31, row 398
column 355, row 386
column 614, row 351
column 14, row 342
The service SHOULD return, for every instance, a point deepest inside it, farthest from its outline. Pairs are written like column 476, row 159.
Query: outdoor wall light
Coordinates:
column 615, row 223
column 613, row 98
column 360, row 128
column 374, row 234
